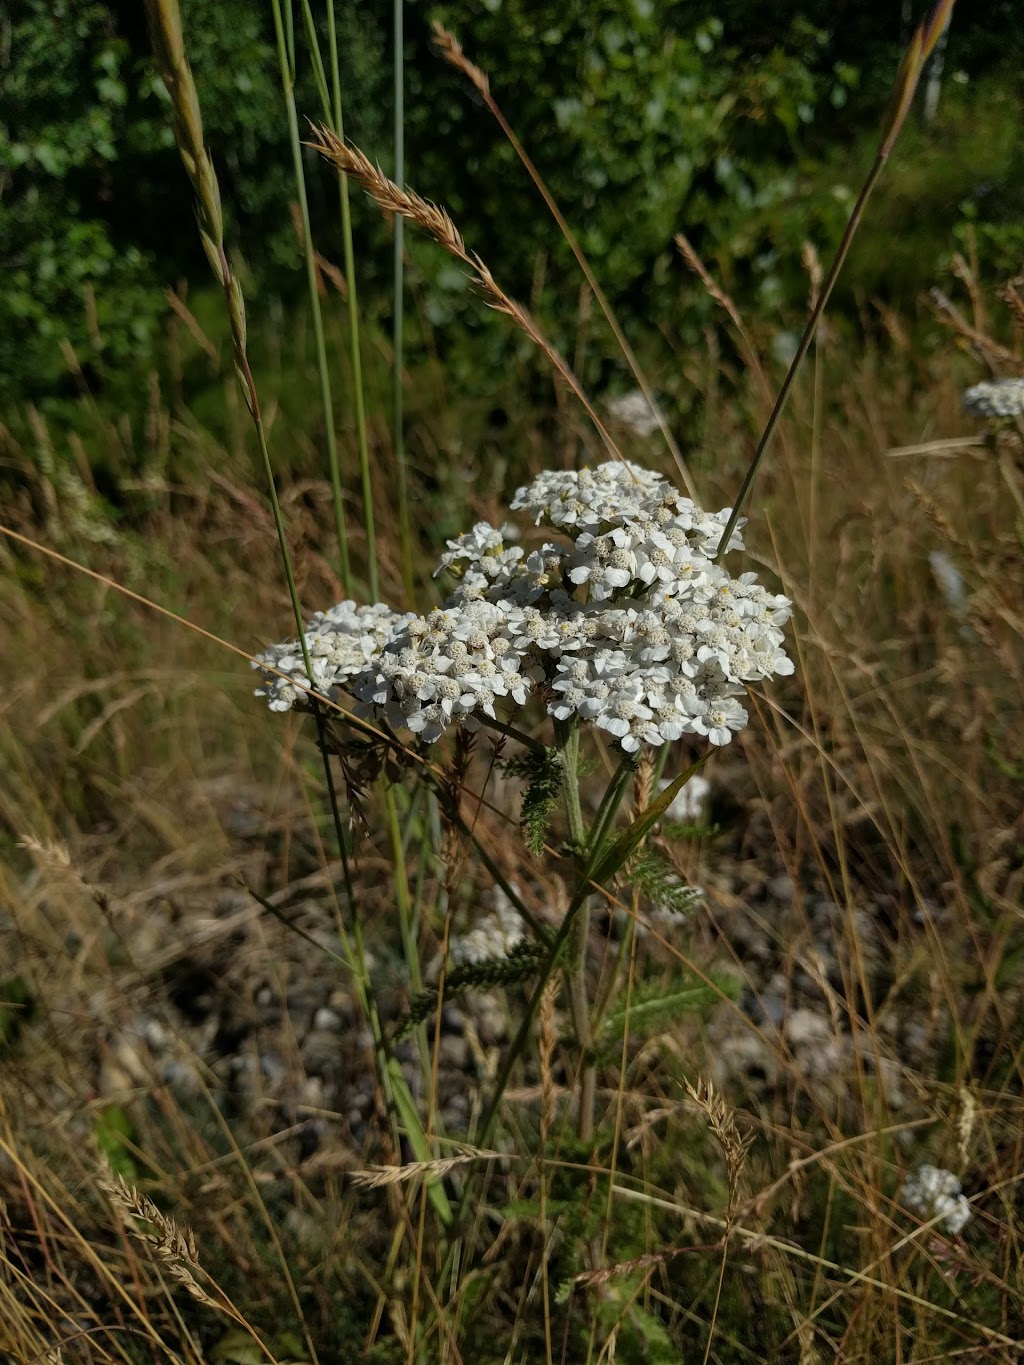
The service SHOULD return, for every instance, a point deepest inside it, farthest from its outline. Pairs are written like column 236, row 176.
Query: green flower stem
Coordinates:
column 599, row 836
column 576, row 970
column 524, row 912
column 595, row 856
column 558, row 942
column 609, row 806
column 406, row 927
column 567, row 741
column 610, row 803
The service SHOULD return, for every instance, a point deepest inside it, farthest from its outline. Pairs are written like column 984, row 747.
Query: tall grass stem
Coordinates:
column 286, row 58
column 172, row 63
column 355, row 341
column 398, row 312
column 332, row 108
column 915, row 58
column 186, row 117
column 451, row 49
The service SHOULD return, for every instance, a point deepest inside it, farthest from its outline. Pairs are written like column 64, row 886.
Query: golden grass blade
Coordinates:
column 916, row 56
column 377, row 1177
column 436, row 222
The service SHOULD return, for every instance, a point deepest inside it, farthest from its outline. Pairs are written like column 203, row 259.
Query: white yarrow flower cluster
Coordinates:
column 630, row 625
column 933, row 1192
column 493, row 936
column 996, row 398
column 341, row 642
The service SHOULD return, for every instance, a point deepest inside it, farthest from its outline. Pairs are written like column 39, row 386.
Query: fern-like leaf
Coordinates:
column 656, row 879
column 519, row 964
column 541, row 770
column 654, row 1005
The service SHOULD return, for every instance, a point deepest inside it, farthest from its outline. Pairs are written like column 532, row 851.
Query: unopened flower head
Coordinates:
column 996, row 398
column 625, row 621
column 935, row 1193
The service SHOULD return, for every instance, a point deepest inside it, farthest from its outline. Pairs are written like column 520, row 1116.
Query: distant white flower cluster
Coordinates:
column 629, row 625
column 933, row 1192
column 495, row 934
column 635, row 412
column 996, row 398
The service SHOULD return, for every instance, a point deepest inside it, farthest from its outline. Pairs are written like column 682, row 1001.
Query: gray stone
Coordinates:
column 781, row 888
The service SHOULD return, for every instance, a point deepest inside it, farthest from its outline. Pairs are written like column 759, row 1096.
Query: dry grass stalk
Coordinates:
column 653, row 1259
column 174, row 1247
column 546, row 1050
column 50, row 854
column 1012, row 294
column 192, row 325
column 921, row 47
column 54, row 860
column 935, row 515
column 377, row 1177
column 984, row 346
column 811, row 262
column 451, row 50
column 176, row 74
column 436, row 222
column 689, row 255
column 643, row 782
column 967, row 1116
column 722, row 1122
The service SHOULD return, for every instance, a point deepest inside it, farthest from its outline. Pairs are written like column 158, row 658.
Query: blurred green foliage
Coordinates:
column 65, row 276
column 748, row 127
column 644, row 119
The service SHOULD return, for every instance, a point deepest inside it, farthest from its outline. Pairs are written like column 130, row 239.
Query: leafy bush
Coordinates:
column 97, row 217
column 66, row 277
column 645, row 120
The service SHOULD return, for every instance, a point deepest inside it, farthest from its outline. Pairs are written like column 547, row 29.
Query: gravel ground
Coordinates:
column 208, row 994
